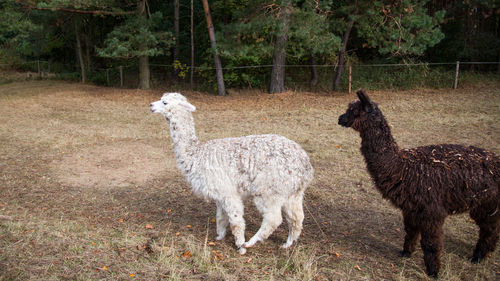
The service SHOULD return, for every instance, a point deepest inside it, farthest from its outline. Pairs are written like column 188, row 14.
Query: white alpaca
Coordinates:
column 271, row 169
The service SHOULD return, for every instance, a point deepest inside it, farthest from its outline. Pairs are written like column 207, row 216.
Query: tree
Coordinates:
column 138, row 37
column 400, row 28
column 79, row 53
column 191, row 73
column 176, row 29
column 341, row 57
column 396, row 28
column 251, row 38
column 277, row 84
column 16, row 33
column 472, row 32
column 213, row 43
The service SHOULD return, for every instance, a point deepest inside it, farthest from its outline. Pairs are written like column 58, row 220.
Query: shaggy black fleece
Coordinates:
column 429, row 183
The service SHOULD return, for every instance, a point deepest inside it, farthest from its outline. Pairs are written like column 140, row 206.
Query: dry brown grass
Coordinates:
column 89, row 188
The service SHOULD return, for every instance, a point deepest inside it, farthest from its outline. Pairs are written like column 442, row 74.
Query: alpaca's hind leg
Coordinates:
column 222, row 222
column 271, row 218
column 432, row 245
column 294, row 215
column 233, row 207
column 489, row 228
column 411, row 237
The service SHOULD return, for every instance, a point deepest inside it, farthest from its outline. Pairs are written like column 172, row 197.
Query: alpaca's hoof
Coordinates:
column 248, row 245
column 475, row 260
column 286, row 245
column 477, row 256
column 220, row 236
column 404, row 254
column 242, row 251
column 433, row 275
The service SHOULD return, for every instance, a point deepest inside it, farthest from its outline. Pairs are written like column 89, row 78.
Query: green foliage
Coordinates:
column 181, row 69
column 137, row 36
column 384, row 31
column 400, row 28
column 249, row 39
column 16, row 32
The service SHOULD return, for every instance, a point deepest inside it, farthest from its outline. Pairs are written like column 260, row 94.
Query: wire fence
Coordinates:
column 298, row 77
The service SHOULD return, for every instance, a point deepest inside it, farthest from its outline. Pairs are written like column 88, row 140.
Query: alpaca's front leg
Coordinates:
column 233, row 207
column 412, row 232
column 222, row 222
column 432, row 244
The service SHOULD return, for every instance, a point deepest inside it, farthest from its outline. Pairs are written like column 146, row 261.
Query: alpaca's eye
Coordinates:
column 165, row 103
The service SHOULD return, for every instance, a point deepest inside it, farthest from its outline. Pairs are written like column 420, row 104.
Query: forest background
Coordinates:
column 271, row 45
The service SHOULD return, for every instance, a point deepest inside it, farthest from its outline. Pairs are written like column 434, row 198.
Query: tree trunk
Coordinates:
column 192, row 47
column 176, row 29
column 314, row 71
column 277, row 84
column 87, row 51
column 340, row 65
column 218, row 66
column 79, row 54
column 144, row 75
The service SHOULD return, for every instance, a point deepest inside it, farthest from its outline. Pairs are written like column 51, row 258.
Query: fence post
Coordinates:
column 456, row 75
column 107, row 77
column 38, row 66
column 350, row 78
column 121, row 76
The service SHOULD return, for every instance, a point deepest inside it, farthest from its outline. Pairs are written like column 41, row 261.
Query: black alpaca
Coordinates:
column 429, row 183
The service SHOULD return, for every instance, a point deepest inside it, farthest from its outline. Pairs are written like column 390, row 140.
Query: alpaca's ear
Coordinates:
column 365, row 100
column 186, row 105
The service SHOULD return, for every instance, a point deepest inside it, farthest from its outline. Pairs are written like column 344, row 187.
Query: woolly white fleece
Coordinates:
column 271, row 169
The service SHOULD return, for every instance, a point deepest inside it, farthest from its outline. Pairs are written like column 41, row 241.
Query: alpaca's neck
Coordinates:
column 183, row 135
column 377, row 141
column 381, row 154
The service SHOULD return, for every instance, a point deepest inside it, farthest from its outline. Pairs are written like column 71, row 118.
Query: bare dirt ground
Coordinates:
column 89, row 187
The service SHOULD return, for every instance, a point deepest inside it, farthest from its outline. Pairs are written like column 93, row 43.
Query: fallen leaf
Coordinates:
column 188, row 226
column 212, row 220
column 177, row 233
column 169, row 210
column 141, row 247
column 249, row 260
column 104, row 268
column 121, row 220
column 186, row 254
column 337, row 254
column 357, row 267
column 218, row 255
column 149, row 226
column 131, row 275
column 211, row 243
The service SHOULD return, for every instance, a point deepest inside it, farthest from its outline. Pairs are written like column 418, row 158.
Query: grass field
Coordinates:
column 89, row 188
